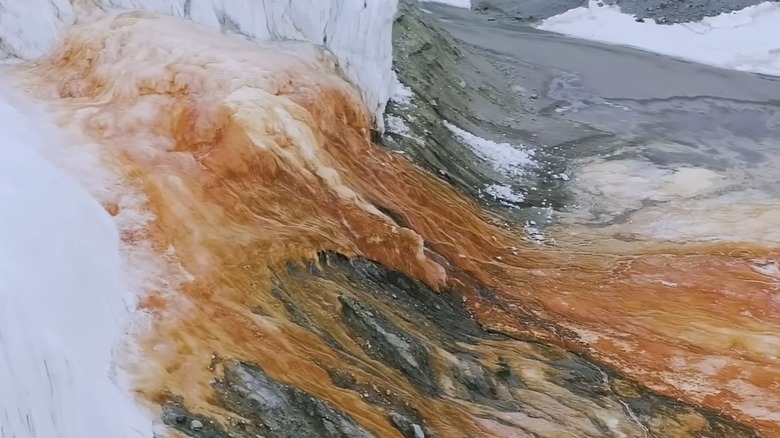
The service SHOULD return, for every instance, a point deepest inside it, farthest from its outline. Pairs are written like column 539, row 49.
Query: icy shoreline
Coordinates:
column 740, row 40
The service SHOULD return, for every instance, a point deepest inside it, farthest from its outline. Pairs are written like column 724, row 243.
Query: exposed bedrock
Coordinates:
column 420, row 360
column 400, row 359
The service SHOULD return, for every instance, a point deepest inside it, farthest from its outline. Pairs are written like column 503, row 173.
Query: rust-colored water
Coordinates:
column 250, row 157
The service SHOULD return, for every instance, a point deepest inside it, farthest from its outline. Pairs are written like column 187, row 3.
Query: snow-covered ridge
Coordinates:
column 743, row 40
column 456, row 3
column 358, row 33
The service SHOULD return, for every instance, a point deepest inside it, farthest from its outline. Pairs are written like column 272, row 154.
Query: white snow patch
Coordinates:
column 358, row 33
column 397, row 125
column 64, row 299
column 457, row 3
column 504, row 193
column 742, row 40
column 403, row 94
column 507, row 159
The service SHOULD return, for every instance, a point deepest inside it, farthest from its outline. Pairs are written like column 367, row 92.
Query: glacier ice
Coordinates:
column 64, row 296
column 63, row 299
column 357, row 32
column 736, row 40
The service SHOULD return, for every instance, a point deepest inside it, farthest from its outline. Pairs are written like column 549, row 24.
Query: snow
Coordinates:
column 397, row 125
column 26, row 33
column 358, row 33
column 456, row 3
column 504, row 193
column 403, row 95
column 742, row 40
column 507, row 159
column 64, row 299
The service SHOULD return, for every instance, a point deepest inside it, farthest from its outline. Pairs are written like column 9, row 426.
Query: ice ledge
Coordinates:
column 357, row 32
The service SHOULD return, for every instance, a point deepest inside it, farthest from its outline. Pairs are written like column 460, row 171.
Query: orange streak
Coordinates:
column 250, row 158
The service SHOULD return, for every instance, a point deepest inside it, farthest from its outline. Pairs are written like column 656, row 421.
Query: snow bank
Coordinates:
column 507, row 159
column 359, row 33
column 63, row 300
column 457, row 3
column 742, row 40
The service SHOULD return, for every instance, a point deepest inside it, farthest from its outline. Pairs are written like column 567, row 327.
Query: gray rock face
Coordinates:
column 266, row 408
column 388, row 344
column 473, row 92
column 285, row 411
column 407, row 427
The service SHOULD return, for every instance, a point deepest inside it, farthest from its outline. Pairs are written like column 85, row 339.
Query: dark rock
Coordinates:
column 675, row 11
column 196, row 425
column 670, row 12
column 541, row 9
column 283, row 411
column 177, row 417
column 480, row 386
column 298, row 316
column 407, row 427
column 444, row 309
column 388, row 344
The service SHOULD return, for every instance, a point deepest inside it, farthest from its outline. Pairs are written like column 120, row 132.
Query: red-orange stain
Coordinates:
column 233, row 209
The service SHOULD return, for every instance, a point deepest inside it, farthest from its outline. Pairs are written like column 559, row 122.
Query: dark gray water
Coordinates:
column 689, row 151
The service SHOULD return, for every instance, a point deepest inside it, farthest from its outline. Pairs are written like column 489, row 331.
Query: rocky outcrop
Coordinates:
column 400, row 324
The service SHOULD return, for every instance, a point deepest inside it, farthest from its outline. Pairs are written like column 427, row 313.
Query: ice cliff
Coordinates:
column 66, row 287
column 357, row 32
column 63, row 297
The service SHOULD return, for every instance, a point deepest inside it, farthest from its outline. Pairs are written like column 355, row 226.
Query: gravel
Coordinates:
column 663, row 11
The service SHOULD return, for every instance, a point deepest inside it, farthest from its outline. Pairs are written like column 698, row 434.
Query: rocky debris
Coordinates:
column 526, row 11
column 478, row 385
column 531, row 12
column 380, row 301
column 679, row 11
column 465, row 83
column 176, row 416
column 402, row 415
column 280, row 411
